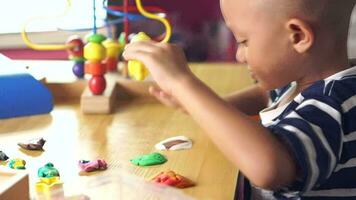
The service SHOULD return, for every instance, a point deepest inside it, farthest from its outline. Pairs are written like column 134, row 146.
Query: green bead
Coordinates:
column 96, row 38
column 149, row 159
column 121, row 39
column 77, row 59
column 47, row 171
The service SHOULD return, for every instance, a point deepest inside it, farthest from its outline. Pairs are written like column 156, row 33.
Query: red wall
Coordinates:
column 192, row 12
column 34, row 54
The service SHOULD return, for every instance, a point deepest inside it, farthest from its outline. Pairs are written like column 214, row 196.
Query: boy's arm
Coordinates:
column 250, row 146
column 249, row 101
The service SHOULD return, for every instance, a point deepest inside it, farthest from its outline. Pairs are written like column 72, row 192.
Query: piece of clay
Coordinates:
column 47, row 171
column 47, row 184
column 149, row 159
column 3, row 156
column 17, row 163
column 172, row 179
column 174, row 143
column 89, row 166
column 34, row 144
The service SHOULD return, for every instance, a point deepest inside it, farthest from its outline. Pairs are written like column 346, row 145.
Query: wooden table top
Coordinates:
column 133, row 129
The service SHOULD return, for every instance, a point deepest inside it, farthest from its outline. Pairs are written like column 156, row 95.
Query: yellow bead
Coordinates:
column 94, row 51
column 141, row 36
column 113, row 48
column 137, row 70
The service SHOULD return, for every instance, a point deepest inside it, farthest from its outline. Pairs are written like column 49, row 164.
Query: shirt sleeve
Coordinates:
column 313, row 134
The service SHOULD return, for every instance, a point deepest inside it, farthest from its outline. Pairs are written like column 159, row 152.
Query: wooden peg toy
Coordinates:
column 94, row 53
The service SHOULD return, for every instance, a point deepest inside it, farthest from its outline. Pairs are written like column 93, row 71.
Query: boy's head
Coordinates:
column 289, row 40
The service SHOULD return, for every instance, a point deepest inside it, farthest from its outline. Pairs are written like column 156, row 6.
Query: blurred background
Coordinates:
column 197, row 26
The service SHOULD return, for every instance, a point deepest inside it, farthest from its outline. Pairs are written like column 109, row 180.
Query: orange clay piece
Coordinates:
column 170, row 178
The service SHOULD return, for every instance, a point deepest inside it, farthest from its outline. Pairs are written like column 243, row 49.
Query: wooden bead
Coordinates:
column 137, row 70
column 111, row 64
column 77, row 59
column 95, row 38
column 97, row 85
column 113, row 48
column 77, row 46
column 141, row 36
column 94, row 68
column 78, row 69
column 94, row 51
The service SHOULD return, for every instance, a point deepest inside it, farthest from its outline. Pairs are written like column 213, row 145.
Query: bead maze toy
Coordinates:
column 99, row 57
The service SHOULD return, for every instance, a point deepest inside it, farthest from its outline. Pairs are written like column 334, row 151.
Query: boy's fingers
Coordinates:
column 163, row 97
column 136, row 54
column 183, row 110
column 153, row 90
column 171, row 102
column 170, row 98
column 142, row 45
column 165, row 101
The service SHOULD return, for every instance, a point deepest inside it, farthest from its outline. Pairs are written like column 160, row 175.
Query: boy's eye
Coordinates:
column 243, row 42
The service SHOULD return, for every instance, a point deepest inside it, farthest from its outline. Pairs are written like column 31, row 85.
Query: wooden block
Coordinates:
column 67, row 91
column 14, row 185
column 128, row 89
column 99, row 104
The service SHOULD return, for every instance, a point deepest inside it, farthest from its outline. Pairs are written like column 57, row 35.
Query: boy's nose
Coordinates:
column 241, row 55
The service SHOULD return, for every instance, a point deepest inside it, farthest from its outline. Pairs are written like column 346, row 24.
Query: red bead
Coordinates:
column 111, row 64
column 97, row 85
column 77, row 46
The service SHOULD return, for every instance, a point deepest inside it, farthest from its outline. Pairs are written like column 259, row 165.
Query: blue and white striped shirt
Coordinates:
column 319, row 127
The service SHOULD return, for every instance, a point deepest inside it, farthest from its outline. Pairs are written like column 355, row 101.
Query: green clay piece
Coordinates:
column 149, row 159
column 95, row 38
column 47, row 171
column 17, row 163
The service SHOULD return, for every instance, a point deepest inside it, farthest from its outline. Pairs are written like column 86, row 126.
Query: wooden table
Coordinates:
column 131, row 130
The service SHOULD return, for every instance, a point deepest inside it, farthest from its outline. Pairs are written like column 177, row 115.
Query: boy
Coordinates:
column 305, row 147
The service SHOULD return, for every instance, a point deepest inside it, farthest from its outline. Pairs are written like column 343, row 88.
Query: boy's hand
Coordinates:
column 166, row 62
column 165, row 98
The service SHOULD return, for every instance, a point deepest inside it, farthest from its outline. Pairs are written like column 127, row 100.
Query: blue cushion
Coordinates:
column 23, row 95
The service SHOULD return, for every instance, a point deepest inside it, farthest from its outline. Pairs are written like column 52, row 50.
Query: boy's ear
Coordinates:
column 301, row 35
